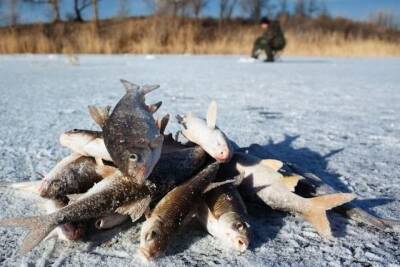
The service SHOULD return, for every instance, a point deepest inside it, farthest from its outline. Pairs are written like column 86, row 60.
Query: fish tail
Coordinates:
column 31, row 186
column 145, row 89
column 39, row 227
column 316, row 211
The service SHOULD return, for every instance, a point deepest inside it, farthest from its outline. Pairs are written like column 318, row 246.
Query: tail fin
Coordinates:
column 145, row 89
column 316, row 213
column 39, row 227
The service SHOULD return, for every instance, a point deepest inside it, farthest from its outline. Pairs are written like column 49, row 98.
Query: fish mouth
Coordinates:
column 145, row 253
column 72, row 232
column 241, row 243
column 223, row 156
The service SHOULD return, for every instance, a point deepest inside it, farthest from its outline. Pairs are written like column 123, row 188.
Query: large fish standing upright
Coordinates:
column 130, row 132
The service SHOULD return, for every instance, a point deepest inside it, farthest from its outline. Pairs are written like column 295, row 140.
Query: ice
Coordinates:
column 336, row 117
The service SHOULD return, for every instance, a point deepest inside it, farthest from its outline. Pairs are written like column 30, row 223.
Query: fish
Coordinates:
column 103, row 198
column 314, row 186
column 206, row 134
column 130, row 132
column 224, row 215
column 169, row 214
column 72, row 175
column 263, row 180
column 86, row 143
column 91, row 143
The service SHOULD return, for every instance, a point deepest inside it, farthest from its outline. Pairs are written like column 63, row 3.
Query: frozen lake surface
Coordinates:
column 338, row 118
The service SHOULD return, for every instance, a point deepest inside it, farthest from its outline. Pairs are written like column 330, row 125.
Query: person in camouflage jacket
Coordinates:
column 272, row 40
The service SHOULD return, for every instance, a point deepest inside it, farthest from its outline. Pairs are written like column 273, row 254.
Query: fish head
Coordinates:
column 139, row 159
column 236, row 229
column 153, row 240
column 218, row 146
column 76, row 139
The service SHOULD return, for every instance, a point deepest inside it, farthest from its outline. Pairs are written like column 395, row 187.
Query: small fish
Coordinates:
column 105, row 197
column 263, row 180
column 72, row 175
column 170, row 212
column 206, row 134
column 130, row 132
column 225, row 216
column 86, row 143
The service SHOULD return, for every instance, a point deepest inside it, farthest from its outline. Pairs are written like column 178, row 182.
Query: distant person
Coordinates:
column 271, row 41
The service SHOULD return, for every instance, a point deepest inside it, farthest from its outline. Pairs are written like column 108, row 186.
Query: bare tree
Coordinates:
column 123, row 9
column 385, row 19
column 171, row 7
column 300, row 9
column 198, row 6
column 254, row 8
column 95, row 10
column 54, row 4
column 312, row 8
column 79, row 7
column 226, row 8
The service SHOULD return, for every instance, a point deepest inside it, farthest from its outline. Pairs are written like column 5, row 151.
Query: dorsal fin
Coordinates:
column 129, row 87
column 291, row 181
column 162, row 123
column 154, row 107
column 212, row 115
column 272, row 163
column 99, row 114
column 148, row 88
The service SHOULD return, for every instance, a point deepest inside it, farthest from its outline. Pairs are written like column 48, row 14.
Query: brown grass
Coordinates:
column 166, row 35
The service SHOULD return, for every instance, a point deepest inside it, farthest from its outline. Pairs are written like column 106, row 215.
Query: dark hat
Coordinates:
column 264, row 20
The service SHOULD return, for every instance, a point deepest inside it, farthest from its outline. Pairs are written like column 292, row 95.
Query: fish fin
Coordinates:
column 129, row 87
column 99, row 114
column 147, row 213
column 110, row 221
column 154, row 107
column 39, row 227
column 212, row 115
column 135, row 209
column 214, row 185
column 157, row 142
column 145, row 89
column 291, row 181
column 316, row 212
column 162, row 123
column 31, row 186
column 272, row 163
column 181, row 121
column 106, row 171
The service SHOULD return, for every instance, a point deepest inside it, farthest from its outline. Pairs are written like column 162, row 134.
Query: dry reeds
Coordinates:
column 168, row 35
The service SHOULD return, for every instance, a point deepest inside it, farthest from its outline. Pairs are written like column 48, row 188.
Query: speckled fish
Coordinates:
column 263, row 180
column 130, row 132
column 105, row 197
column 206, row 134
column 72, row 175
column 170, row 212
column 224, row 215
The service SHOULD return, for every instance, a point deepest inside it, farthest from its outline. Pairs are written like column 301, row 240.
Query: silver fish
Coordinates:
column 265, row 182
column 225, row 216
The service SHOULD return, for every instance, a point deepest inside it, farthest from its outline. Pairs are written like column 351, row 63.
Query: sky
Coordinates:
column 353, row 9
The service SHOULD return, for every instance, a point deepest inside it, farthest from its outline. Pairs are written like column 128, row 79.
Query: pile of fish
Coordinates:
column 133, row 169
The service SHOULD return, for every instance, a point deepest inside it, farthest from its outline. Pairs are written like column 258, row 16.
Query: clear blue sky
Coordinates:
column 354, row 9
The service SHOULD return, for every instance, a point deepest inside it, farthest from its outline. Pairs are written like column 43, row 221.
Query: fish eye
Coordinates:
column 75, row 130
column 134, row 157
column 150, row 236
column 239, row 226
